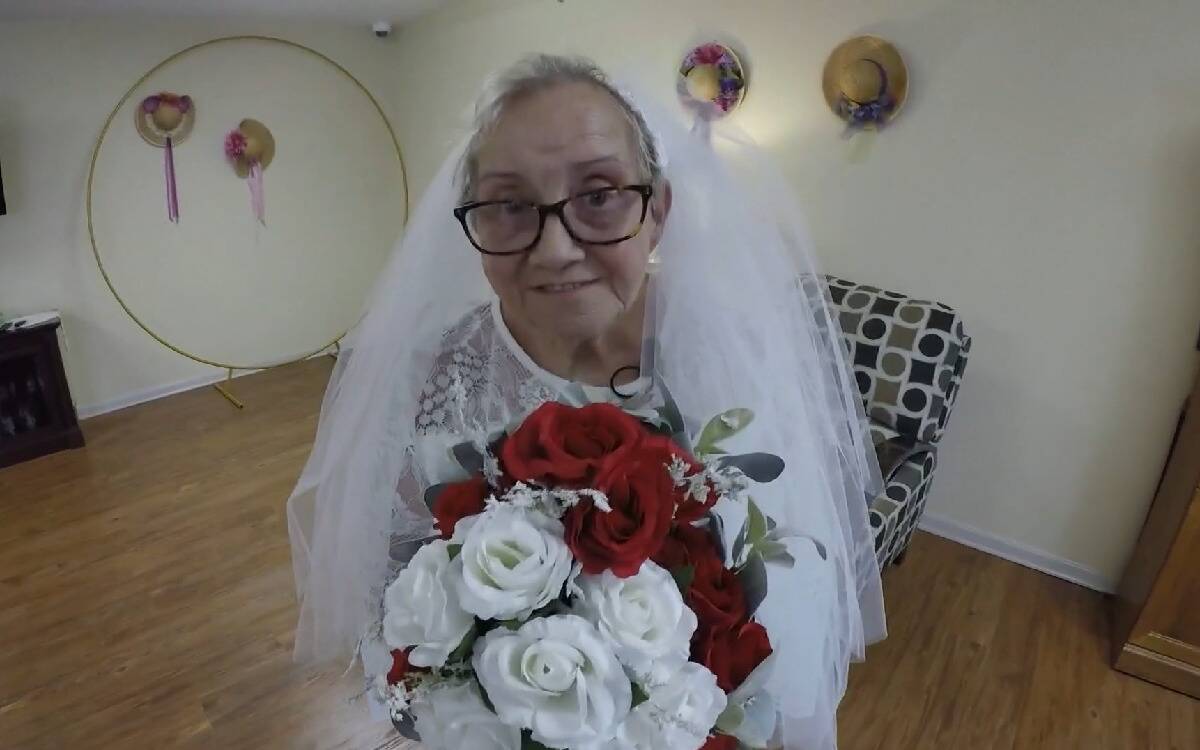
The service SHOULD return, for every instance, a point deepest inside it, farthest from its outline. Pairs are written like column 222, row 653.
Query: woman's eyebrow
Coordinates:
column 511, row 176
column 610, row 158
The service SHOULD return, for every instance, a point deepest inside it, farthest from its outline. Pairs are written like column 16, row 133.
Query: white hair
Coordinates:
column 537, row 73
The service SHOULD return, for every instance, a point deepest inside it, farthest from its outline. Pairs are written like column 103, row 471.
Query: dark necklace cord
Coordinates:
column 612, row 381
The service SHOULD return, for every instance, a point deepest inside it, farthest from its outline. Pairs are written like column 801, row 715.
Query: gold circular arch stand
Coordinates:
column 230, row 368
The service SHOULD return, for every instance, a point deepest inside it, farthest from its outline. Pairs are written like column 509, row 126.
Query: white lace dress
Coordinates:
column 484, row 382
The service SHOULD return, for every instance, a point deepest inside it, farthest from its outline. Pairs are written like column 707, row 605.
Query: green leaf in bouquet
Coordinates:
column 639, row 696
column 773, row 546
column 820, row 547
column 762, row 540
column 753, row 577
column 656, row 424
column 468, row 457
column 715, row 527
column 756, row 523
column 554, row 607
column 731, row 718
column 756, row 712
column 681, row 439
column 529, row 743
column 723, row 426
column 732, row 721
column 453, row 549
column 671, row 415
column 773, row 551
column 739, row 545
column 683, row 577
column 761, row 467
column 816, row 543
column 462, row 651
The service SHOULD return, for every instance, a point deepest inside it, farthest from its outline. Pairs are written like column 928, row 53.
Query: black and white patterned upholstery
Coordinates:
column 908, row 357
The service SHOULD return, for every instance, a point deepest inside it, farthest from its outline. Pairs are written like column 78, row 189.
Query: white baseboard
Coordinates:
column 170, row 389
column 150, row 394
column 1016, row 552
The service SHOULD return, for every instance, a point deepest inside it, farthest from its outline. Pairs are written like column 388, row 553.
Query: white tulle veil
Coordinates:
column 737, row 316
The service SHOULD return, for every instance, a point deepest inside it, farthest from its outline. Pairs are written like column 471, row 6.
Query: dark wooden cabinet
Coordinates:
column 37, row 415
column 1157, row 616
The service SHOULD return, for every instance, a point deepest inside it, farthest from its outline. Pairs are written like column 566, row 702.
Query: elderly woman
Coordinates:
column 580, row 247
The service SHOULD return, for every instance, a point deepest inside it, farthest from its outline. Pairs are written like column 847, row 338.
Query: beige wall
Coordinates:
column 216, row 284
column 1044, row 180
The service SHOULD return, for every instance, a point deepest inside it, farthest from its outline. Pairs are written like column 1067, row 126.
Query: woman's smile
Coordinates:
column 562, row 288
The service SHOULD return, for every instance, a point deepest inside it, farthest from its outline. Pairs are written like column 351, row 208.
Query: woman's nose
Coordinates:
column 555, row 248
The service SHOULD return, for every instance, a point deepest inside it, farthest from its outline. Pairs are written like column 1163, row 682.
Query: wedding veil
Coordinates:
column 738, row 316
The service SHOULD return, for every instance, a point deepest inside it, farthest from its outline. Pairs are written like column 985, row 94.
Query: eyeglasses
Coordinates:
column 596, row 217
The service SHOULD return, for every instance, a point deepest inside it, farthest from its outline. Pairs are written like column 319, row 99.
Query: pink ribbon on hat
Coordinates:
column 235, row 149
column 256, row 192
column 172, row 190
column 184, row 103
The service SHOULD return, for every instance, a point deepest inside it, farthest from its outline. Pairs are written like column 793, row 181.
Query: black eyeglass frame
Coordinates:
column 556, row 208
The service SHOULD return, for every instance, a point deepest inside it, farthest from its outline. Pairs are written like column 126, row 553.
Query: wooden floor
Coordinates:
column 146, row 602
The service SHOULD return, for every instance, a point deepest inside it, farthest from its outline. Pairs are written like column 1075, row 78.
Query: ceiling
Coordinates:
column 346, row 11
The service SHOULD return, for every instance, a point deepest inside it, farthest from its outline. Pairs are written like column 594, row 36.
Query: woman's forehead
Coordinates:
column 567, row 126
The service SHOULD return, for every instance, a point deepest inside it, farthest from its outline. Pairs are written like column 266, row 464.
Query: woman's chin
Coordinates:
column 577, row 319
column 581, row 327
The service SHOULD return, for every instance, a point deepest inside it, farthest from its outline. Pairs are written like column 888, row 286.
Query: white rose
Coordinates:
column 512, row 562
column 643, row 619
column 645, row 729
column 690, row 699
column 677, row 715
column 455, row 717
column 556, row 677
column 421, row 608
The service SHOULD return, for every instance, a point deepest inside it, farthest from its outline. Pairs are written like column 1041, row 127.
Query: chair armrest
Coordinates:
column 893, row 448
column 895, row 452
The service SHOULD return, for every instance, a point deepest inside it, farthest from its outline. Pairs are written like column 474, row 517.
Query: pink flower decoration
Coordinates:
column 708, row 54
column 730, row 79
column 235, row 145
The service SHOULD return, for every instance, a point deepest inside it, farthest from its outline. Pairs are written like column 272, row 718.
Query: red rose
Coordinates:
column 687, row 510
column 732, row 655
column 716, row 595
column 457, row 501
column 691, row 509
column 685, row 545
column 642, row 497
column 400, row 667
column 720, row 742
column 562, row 446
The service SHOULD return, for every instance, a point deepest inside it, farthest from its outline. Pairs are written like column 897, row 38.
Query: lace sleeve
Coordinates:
column 477, row 384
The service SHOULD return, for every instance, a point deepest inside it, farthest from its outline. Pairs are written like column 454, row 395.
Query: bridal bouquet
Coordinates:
column 580, row 595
